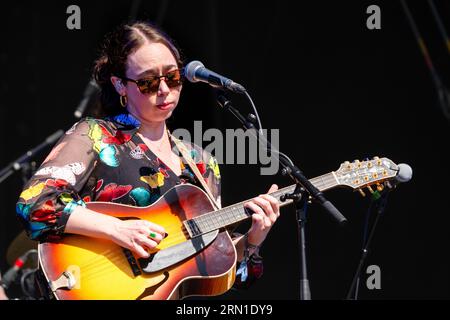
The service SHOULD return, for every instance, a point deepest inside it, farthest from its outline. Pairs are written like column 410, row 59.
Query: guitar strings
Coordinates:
column 175, row 237
column 177, row 233
column 104, row 270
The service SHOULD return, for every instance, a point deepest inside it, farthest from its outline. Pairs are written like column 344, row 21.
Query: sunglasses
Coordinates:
column 150, row 85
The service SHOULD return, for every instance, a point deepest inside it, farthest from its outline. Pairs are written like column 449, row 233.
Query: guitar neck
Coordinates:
column 236, row 213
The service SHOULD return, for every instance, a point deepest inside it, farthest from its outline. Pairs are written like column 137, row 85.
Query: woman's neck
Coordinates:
column 152, row 130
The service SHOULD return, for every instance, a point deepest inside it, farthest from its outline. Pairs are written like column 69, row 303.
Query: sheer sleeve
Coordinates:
column 52, row 193
column 255, row 270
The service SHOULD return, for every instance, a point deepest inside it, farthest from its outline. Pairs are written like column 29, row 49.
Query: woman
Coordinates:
column 128, row 157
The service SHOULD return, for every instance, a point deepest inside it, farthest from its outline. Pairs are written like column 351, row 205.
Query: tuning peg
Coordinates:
column 378, row 160
column 380, row 187
column 347, row 164
column 361, row 192
column 357, row 163
column 370, row 189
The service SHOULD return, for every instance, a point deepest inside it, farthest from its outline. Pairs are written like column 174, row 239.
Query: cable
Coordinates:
column 260, row 129
column 255, row 111
column 440, row 24
column 443, row 94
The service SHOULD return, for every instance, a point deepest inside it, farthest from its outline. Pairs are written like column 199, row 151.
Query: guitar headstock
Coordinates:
column 361, row 174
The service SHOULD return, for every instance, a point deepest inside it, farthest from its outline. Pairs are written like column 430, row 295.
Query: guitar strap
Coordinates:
column 186, row 156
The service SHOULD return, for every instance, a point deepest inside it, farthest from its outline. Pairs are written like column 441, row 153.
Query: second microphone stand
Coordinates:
column 22, row 163
column 379, row 201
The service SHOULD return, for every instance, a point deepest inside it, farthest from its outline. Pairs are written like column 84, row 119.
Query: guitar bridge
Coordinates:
column 133, row 263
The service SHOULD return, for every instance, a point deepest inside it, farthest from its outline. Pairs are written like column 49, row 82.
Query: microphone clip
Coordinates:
column 295, row 196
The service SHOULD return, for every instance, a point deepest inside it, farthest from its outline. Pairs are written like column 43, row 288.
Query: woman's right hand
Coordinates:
column 137, row 235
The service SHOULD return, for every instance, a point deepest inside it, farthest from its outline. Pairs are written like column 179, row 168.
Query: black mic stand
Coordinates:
column 380, row 202
column 22, row 163
column 299, row 197
column 304, row 190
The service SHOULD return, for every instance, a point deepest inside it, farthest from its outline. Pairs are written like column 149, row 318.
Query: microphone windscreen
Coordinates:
column 404, row 173
column 191, row 68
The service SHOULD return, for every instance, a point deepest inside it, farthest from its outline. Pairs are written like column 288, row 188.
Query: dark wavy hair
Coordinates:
column 114, row 51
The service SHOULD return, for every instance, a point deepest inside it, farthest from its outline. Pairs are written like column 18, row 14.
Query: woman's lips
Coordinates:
column 164, row 106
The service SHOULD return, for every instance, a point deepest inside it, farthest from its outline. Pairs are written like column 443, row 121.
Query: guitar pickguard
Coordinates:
column 167, row 257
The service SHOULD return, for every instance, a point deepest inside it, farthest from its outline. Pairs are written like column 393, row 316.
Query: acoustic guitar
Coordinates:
column 196, row 258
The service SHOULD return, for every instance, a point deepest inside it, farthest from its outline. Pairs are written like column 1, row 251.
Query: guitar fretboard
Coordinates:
column 237, row 212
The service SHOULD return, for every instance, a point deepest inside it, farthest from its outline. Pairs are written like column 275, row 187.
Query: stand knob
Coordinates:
column 251, row 118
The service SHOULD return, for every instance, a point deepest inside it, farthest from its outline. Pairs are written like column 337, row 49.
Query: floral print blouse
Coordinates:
column 103, row 160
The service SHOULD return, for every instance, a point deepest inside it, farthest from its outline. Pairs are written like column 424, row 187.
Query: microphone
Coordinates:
column 195, row 71
column 10, row 276
column 404, row 174
column 90, row 89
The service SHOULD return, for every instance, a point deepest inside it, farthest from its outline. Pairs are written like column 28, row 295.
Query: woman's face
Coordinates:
column 150, row 60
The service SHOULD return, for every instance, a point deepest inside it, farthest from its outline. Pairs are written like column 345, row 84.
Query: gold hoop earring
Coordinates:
column 123, row 101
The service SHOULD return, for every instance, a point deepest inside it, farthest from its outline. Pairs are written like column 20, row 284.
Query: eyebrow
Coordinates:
column 154, row 71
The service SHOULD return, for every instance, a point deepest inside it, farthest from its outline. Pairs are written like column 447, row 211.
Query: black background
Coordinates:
column 335, row 89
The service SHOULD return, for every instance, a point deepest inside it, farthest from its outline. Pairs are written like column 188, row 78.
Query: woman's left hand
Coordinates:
column 266, row 211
